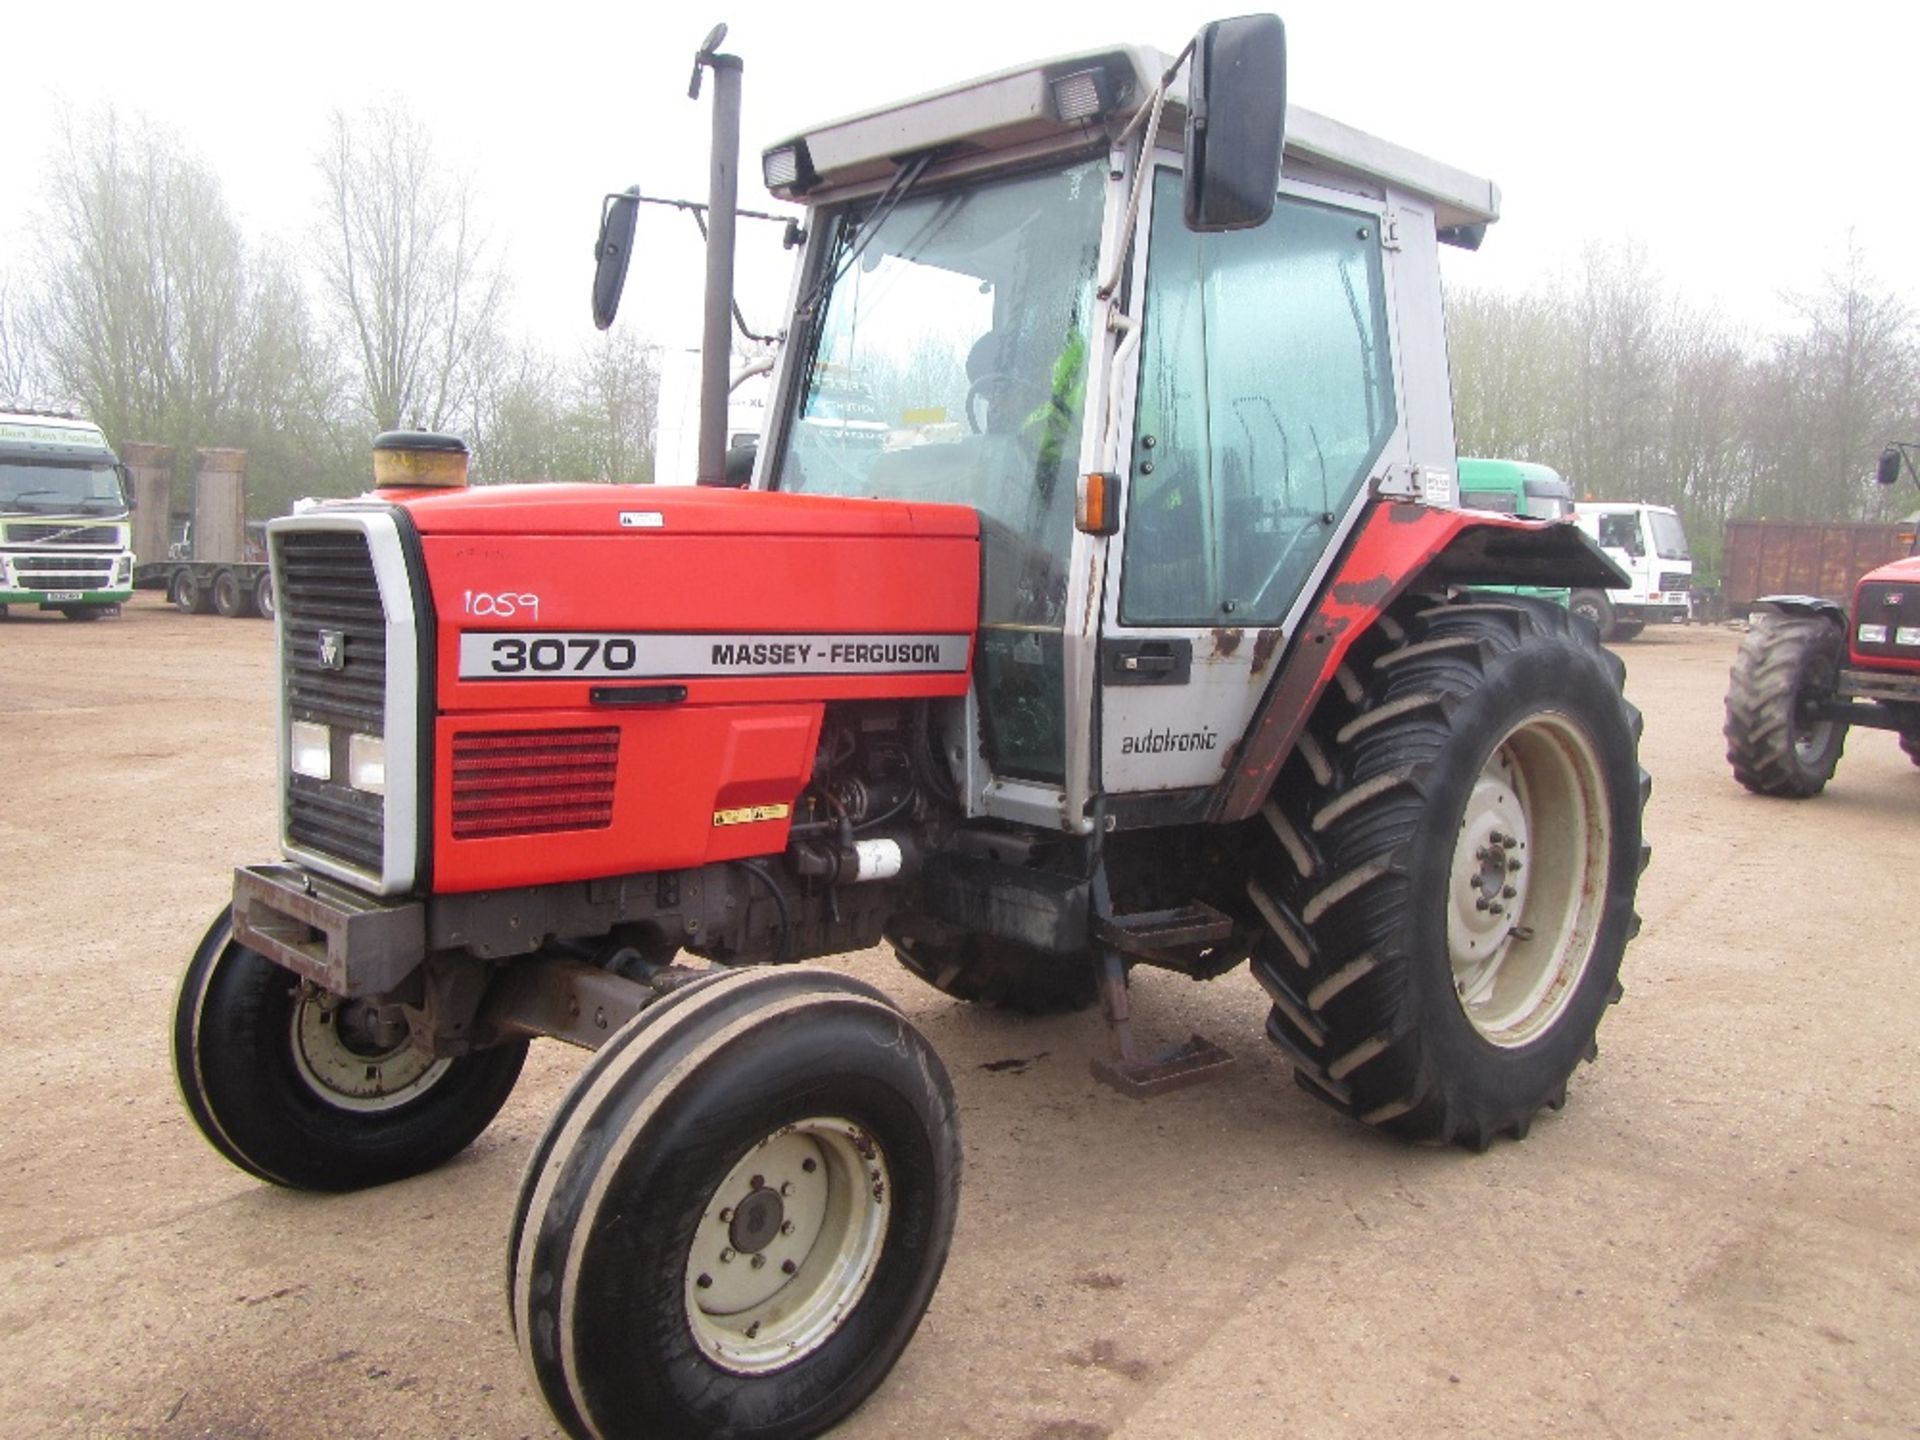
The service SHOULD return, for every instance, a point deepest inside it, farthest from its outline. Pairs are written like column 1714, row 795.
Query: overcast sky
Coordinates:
column 1741, row 143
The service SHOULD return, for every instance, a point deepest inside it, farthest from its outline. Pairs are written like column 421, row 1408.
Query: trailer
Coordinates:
column 219, row 565
column 1806, row 557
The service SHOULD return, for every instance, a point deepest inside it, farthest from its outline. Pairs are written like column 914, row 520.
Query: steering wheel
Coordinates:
column 997, row 387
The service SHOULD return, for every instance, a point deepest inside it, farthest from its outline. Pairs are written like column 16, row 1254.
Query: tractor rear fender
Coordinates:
column 1806, row 607
column 1398, row 547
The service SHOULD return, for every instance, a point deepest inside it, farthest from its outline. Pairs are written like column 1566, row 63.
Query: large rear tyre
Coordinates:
column 739, row 1213
column 1786, row 664
column 1446, row 872
column 304, row 1089
column 187, row 595
column 263, row 595
column 984, row 971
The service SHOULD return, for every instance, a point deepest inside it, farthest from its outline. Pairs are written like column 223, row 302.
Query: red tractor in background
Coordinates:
column 1138, row 630
column 1806, row 673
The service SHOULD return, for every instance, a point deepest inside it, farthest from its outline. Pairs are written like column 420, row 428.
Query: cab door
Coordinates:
column 1266, row 401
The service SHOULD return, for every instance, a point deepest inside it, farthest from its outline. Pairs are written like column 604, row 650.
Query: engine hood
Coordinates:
column 638, row 511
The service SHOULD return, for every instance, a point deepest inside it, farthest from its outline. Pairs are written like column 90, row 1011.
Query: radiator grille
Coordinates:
column 1671, row 580
column 330, row 602
column 37, row 532
column 533, row 782
column 1893, row 604
column 62, row 572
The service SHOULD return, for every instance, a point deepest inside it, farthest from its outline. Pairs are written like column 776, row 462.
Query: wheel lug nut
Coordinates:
column 786, row 1187
column 1481, row 853
column 726, row 1257
column 1496, row 909
column 1480, row 903
column 1507, row 892
column 1513, row 865
column 759, row 1182
column 786, row 1227
column 788, row 1267
column 753, row 1330
column 705, row 1282
column 758, row 1261
column 726, row 1214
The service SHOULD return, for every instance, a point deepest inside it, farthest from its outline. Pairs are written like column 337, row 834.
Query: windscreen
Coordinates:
column 26, row 485
column 1669, row 539
column 1549, row 499
column 949, row 364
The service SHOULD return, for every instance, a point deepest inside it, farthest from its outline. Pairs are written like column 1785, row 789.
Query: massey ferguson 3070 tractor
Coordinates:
column 1805, row 673
column 1098, row 600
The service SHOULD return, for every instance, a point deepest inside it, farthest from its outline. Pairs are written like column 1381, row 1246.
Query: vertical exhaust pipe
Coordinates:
column 716, row 343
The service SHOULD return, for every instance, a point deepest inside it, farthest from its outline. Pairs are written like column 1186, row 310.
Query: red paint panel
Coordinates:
column 652, row 582
column 1395, row 543
column 674, row 769
column 1902, row 572
column 509, row 510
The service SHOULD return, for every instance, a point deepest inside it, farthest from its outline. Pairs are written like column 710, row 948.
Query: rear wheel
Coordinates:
column 984, row 971
column 305, row 1089
column 1787, row 664
column 1627, row 629
column 739, row 1213
column 232, row 599
column 263, row 595
column 187, row 595
column 1446, row 873
column 1595, row 608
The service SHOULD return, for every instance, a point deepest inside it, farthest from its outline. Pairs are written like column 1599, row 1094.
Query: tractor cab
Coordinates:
column 1014, row 282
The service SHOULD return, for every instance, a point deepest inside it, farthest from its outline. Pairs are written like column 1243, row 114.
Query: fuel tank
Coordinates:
column 636, row 676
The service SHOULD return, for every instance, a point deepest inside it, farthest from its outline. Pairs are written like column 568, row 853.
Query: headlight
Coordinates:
column 1907, row 635
column 367, row 763
column 310, row 748
column 1873, row 634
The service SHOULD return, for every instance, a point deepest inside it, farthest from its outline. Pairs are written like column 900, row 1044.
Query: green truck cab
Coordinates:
column 1517, row 487
column 65, row 522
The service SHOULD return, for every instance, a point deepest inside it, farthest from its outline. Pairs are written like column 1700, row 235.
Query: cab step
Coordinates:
column 1179, row 939
column 1127, row 1070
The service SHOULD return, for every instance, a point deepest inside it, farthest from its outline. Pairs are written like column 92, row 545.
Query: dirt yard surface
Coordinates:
column 1720, row 1234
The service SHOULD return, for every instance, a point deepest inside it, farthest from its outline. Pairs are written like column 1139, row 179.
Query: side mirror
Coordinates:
column 1889, row 471
column 611, row 253
column 1236, row 122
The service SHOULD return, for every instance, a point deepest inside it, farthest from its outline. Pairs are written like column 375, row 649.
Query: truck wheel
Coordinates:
column 231, row 598
column 89, row 612
column 187, row 595
column 298, row 1089
column 739, row 1213
column 984, row 971
column 1627, row 629
column 1447, row 888
column 1785, row 664
column 1596, row 609
column 263, row 595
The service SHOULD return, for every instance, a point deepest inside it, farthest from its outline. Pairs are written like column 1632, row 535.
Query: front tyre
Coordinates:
column 1595, row 608
column 984, row 971
column 739, row 1213
column 1786, row 665
column 305, row 1089
column 1447, row 877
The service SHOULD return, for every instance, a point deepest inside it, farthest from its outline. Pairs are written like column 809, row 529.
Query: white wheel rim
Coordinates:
column 1528, row 880
column 787, row 1245
column 353, row 1074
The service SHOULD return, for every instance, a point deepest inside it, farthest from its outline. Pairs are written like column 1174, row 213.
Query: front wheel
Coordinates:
column 89, row 612
column 1447, row 873
column 232, row 598
column 186, row 594
column 263, row 595
column 1595, row 608
column 1787, row 665
column 304, row 1089
column 985, row 971
column 739, row 1212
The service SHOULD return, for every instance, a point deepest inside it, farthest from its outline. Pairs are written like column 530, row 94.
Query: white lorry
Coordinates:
column 65, row 531
column 1650, row 544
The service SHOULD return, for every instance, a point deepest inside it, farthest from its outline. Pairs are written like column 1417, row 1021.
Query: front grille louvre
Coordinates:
column 533, row 782
column 61, row 572
column 36, row 533
column 1892, row 604
column 326, row 583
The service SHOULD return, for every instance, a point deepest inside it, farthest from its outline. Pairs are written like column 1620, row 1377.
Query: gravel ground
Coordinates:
column 1717, row 1235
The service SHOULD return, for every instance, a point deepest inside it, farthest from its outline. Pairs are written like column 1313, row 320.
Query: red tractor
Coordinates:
column 1129, row 622
column 1805, row 674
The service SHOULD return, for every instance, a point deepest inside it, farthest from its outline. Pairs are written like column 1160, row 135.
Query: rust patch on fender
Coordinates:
column 1366, row 594
column 1225, row 642
column 1264, row 644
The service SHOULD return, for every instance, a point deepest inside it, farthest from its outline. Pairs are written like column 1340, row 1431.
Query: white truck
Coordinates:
column 1650, row 544
column 65, row 527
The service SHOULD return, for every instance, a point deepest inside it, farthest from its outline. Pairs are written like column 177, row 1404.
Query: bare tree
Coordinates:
column 406, row 269
column 21, row 374
column 616, row 402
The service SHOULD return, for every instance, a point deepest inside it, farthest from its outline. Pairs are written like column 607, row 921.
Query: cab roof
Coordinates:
column 1090, row 95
